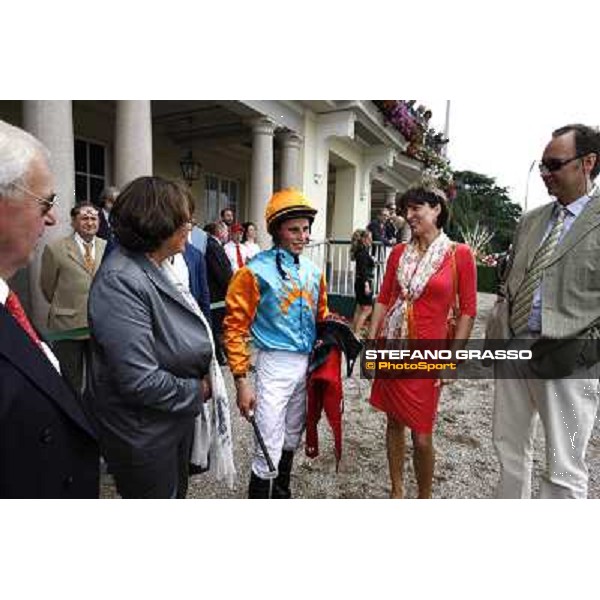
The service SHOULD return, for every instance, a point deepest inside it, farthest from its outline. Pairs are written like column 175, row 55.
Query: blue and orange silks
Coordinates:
column 278, row 307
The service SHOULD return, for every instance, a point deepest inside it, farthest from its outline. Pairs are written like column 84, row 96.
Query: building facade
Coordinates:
column 341, row 153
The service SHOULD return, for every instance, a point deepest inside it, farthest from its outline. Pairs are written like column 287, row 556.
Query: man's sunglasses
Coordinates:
column 550, row 165
column 46, row 203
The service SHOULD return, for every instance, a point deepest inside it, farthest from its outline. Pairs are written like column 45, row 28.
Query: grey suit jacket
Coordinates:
column 149, row 351
column 571, row 281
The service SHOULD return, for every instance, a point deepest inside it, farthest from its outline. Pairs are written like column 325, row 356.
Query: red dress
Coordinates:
column 414, row 401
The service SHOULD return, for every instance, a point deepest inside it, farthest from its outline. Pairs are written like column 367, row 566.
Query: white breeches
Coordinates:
column 280, row 411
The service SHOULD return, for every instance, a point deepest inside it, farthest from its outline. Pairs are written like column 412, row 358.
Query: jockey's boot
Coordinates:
column 281, row 487
column 259, row 488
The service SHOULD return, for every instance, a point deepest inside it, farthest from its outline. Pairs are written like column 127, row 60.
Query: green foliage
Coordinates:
column 481, row 204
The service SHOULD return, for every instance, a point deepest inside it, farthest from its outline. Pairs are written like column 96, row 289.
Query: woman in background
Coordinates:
column 360, row 253
column 249, row 239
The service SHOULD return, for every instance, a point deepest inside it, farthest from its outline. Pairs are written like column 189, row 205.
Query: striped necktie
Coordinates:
column 524, row 299
column 88, row 259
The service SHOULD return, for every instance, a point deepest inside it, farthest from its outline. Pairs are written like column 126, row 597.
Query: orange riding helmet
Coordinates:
column 288, row 204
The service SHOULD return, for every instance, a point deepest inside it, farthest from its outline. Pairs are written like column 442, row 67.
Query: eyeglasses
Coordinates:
column 550, row 165
column 47, row 203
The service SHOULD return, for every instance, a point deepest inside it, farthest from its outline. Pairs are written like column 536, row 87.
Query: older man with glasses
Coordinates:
column 552, row 292
column 47, row 447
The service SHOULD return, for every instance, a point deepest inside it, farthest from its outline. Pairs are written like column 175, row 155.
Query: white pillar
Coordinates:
column 261, row 181
column 318, row 133
column 348, row 210
column 291, row 143
column 51, row 121
column 133, row 140
column 379, row 156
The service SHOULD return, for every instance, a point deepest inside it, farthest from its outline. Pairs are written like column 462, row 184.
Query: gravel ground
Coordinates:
column 466, row 466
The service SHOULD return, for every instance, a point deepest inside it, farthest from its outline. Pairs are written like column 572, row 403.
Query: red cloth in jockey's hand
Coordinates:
column 324, row 392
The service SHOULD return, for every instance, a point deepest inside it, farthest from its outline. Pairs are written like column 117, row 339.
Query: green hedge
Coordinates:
column 486, row 279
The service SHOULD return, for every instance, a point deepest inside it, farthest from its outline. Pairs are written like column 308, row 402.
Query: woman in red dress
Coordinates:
column 425, row 280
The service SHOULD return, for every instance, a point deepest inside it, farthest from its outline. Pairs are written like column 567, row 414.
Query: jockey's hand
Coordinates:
column 246, row 399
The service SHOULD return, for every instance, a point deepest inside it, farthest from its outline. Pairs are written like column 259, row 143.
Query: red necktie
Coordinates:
column 240, row 260
column 13, row 306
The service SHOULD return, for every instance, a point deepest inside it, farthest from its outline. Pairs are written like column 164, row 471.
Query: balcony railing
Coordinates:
column 333, row 257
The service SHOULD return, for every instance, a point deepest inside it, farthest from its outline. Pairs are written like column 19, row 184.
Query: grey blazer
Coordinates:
column 149, row 351
column 571, row 282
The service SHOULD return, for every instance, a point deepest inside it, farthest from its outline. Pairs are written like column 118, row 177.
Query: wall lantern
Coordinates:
column 190, row 169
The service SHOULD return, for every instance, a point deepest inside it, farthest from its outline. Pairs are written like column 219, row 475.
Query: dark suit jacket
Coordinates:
column 196, row 264
column 47, row 446
column 218, row 270
column 379, row 232
column 104, row 229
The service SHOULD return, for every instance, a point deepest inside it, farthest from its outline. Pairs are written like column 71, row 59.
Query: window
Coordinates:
column 90, row 170
column 220, row 193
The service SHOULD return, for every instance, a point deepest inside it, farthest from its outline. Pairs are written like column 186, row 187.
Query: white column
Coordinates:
column 133, row 140
column 347, row 210
column 51, row 121
column 379, row 156
column 261, row 181
column 291, row 143
column 318, row 134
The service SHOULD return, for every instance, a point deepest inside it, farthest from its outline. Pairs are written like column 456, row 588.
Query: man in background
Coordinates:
column 237, row 253
column 227, row 219
column 68, row 268
column 218, row 271
column 105, row 203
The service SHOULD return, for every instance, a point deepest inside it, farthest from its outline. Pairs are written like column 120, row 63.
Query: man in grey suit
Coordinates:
column 552, row 288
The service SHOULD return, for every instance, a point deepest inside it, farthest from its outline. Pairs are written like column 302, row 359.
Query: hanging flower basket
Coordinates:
column 424, row 143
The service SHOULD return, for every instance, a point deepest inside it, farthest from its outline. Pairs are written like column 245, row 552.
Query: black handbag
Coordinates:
column 559, row 358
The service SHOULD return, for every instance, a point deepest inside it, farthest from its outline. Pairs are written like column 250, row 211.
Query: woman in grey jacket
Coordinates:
column 151, row 350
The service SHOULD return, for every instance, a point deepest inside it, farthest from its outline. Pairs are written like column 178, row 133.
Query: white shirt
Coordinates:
column 4, row 290
column 176, row 270
column 230, row 250
column 81, row 243
column 252, row 248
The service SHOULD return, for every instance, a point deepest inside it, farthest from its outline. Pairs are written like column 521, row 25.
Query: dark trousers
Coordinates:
column 74, row 359
column 217, row 316
column 158, row 473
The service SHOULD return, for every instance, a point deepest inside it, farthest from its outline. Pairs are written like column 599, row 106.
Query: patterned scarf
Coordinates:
column 212, row 430
column 414, row 273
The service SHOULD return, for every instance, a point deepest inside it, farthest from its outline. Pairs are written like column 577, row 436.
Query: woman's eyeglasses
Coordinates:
column 46, row 203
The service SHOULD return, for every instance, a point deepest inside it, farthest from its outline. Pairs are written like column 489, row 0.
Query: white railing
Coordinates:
column 333, row 257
